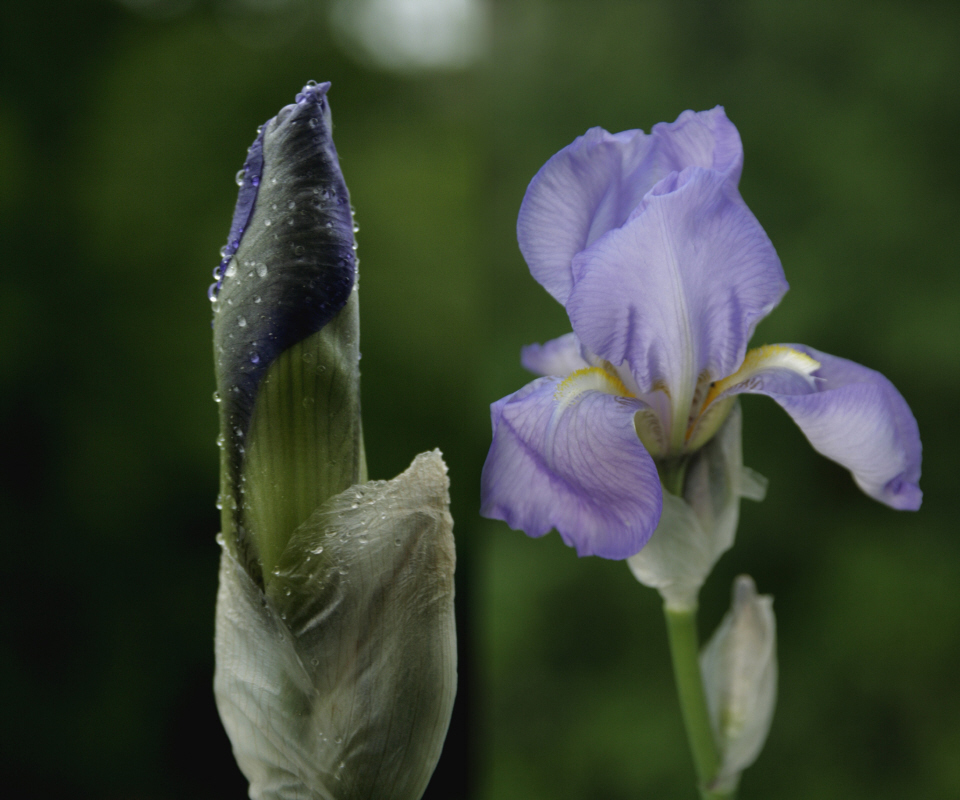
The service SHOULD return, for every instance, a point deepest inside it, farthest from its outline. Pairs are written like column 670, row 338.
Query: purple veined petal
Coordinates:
column 854, row 416
column 574, row 464
column 593, row 185
column 679, row 288
column 558, row 357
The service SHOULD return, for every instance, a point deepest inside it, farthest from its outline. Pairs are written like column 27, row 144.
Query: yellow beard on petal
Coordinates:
column 770, row 356
column 588, row 379
column 760, row 359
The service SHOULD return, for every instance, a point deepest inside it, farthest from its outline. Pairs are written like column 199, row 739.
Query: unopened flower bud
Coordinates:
column 286, row 336
column 739, row 666
column 335, row 639
column 699, row 527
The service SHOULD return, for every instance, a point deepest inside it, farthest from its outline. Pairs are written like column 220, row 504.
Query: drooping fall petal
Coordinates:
column 572, row 462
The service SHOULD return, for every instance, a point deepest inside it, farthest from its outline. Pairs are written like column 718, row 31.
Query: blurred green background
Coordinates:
column 122, row 123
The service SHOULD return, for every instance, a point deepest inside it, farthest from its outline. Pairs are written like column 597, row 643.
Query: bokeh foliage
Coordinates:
column 120, row 133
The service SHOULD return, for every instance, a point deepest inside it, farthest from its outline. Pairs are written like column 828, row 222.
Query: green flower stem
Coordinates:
column 685, row 651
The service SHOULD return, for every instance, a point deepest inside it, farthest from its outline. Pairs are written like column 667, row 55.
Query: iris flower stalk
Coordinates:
column 335, row 641
column 628, row 444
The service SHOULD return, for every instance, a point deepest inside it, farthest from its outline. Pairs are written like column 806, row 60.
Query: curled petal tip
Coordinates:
column 313, row 92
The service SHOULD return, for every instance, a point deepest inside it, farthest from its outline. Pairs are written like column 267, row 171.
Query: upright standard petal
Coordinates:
column 852, row 415
column 565, row 455
column 679, row 289
column 594, row 184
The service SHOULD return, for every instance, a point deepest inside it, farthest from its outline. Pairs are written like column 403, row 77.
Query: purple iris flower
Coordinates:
column 664, row 273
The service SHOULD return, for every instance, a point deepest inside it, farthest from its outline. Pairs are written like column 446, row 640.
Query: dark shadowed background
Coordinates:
column 122, row 123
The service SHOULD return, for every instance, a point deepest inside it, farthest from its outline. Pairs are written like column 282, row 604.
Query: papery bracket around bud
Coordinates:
column 338, row 682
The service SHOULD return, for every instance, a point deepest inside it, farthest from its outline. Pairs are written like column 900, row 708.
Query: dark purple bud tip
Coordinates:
column 288, row 266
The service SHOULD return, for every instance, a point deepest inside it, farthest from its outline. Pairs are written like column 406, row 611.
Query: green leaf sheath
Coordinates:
column 304, row 443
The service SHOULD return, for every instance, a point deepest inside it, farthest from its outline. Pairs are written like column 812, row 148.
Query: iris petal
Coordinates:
column 593, row 185
column 573, row 463
column 854, row 416
column 558, row 357
column 679, row 288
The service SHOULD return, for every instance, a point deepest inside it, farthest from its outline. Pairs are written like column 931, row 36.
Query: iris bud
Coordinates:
column 335, row 641
column 699, row 527
column 739, row 667
column 286, row 336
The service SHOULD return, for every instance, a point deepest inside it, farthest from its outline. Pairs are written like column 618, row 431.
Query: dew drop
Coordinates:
column 317, row 550
column 216, row 397
column 254, row 358
column 262, row 270
column 221, row 441
column 239, row 177
column 242, row 321
column 268, row 222
column 219, row 537
column 257, row 299
column 231, row 270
